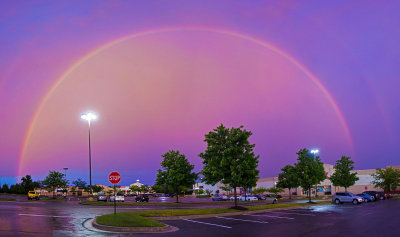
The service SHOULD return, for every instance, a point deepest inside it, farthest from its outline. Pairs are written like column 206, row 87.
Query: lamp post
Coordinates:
column 315, row 152
column 89, row 117
column 65, row 175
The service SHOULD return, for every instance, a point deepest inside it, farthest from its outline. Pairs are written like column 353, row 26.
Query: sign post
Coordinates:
column 114, row 178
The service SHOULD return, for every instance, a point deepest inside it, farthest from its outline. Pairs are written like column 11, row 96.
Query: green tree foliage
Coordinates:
column 27, row 184
column 208, row 191
column 79, row 183
column 97, row 188
column 226, row 188
column 158, row 188
column 275, row 190
column 229, row 158
column 388, row 179
column 288, row 179
column 176, row 173
column 145, row 188
column 16, row 189
column 54, row 180
column 5, row 188
column 135, row 188
column 73, row 191
column 259, row 190
column 342, row 176
column 309, row 169
column 199, row 191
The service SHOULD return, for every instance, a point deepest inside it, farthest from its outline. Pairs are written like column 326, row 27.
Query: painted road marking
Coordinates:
column 49, row 216
column 282, row 217
column 228, row 218
column 205, row 223
column 291, row 213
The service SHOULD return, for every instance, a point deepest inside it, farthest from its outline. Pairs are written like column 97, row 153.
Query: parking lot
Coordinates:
column 377, row 219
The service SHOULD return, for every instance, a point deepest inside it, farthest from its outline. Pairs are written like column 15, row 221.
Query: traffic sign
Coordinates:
column 114, row 177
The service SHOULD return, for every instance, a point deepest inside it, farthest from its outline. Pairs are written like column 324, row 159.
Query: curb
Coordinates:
column 227, row 214
column 164, row 229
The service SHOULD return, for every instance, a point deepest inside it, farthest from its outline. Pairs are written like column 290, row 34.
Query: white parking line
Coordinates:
column 228, row 218
column 205, row 223
column 291, row 213
column 46, row 216
column 282, row 217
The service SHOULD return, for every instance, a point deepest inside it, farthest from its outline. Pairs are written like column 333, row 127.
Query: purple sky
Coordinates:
column 201, row 63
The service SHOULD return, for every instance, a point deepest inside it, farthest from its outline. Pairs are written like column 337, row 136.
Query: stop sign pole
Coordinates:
column 114, row 178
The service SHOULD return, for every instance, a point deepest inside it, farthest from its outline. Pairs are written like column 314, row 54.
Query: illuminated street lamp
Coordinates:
column 89, row 117
column 315, row 152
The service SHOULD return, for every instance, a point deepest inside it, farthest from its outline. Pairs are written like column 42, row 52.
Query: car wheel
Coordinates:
column 337, row 201
column 355, row 202
column 381, row 198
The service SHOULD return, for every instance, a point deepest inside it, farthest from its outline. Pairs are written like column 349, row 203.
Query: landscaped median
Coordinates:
column 137, row 220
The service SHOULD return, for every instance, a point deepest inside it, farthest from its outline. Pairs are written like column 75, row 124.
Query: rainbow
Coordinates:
column 161, row 30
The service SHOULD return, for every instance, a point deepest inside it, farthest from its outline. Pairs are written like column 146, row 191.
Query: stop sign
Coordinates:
column 114, row 177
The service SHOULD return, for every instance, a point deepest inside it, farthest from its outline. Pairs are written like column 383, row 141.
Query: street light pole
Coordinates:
column 315, row 152
column 89, row 116
column 65, row 174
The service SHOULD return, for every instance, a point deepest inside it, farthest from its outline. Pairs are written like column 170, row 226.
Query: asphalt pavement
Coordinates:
column 58, row 218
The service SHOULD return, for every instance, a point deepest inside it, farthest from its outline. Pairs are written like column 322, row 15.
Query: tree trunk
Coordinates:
column 345, row 189
column 290, row 194
column 177, row 197
column 234, row 193
column 316, row 191
column 309, row 194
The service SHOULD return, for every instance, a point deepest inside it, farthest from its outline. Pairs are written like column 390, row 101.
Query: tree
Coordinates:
column 16, row 189
column 226, row 188
column 259, row 190
column 229, row 158
column 217, row 192
column 73, row 191
column 208, row 191
column 54, row 180
column 135, row 188
column 79, row 183
column 309, row 170
column 97, row 188
column 275, row 190
column 288, row 179
column 199, row 191
column 388, row 179
column 5, row 188
column 342, row 176
column 176, row 173
column 145, row 188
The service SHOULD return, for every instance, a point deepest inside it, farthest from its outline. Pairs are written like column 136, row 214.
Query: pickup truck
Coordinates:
column 33, row 195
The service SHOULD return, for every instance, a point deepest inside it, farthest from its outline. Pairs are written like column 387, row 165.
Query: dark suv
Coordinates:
column 376, row 194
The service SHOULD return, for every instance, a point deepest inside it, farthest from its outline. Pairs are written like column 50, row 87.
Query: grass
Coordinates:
column 139, row 218
column 53, row 199
column 7, row 199
column 127, row 219
column 97, row 203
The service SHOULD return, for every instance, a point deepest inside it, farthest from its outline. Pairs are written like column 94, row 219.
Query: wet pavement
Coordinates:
column 67, row 218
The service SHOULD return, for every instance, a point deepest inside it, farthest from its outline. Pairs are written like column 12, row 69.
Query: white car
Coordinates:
column 233, row 198
column 118, row 198
column 248, row 198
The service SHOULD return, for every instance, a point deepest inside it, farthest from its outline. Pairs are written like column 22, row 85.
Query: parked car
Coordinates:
column 102, row 197
column 118, row 198
column 385, row 195
column 366, row 197
column 142, row 198
column 271, row 200
column 248, row 198
column 277, row 196
column 260, row 197
column 341, row 197
column 220, row 198
column 233, row 197
column 33, row 195
column 376, row 194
